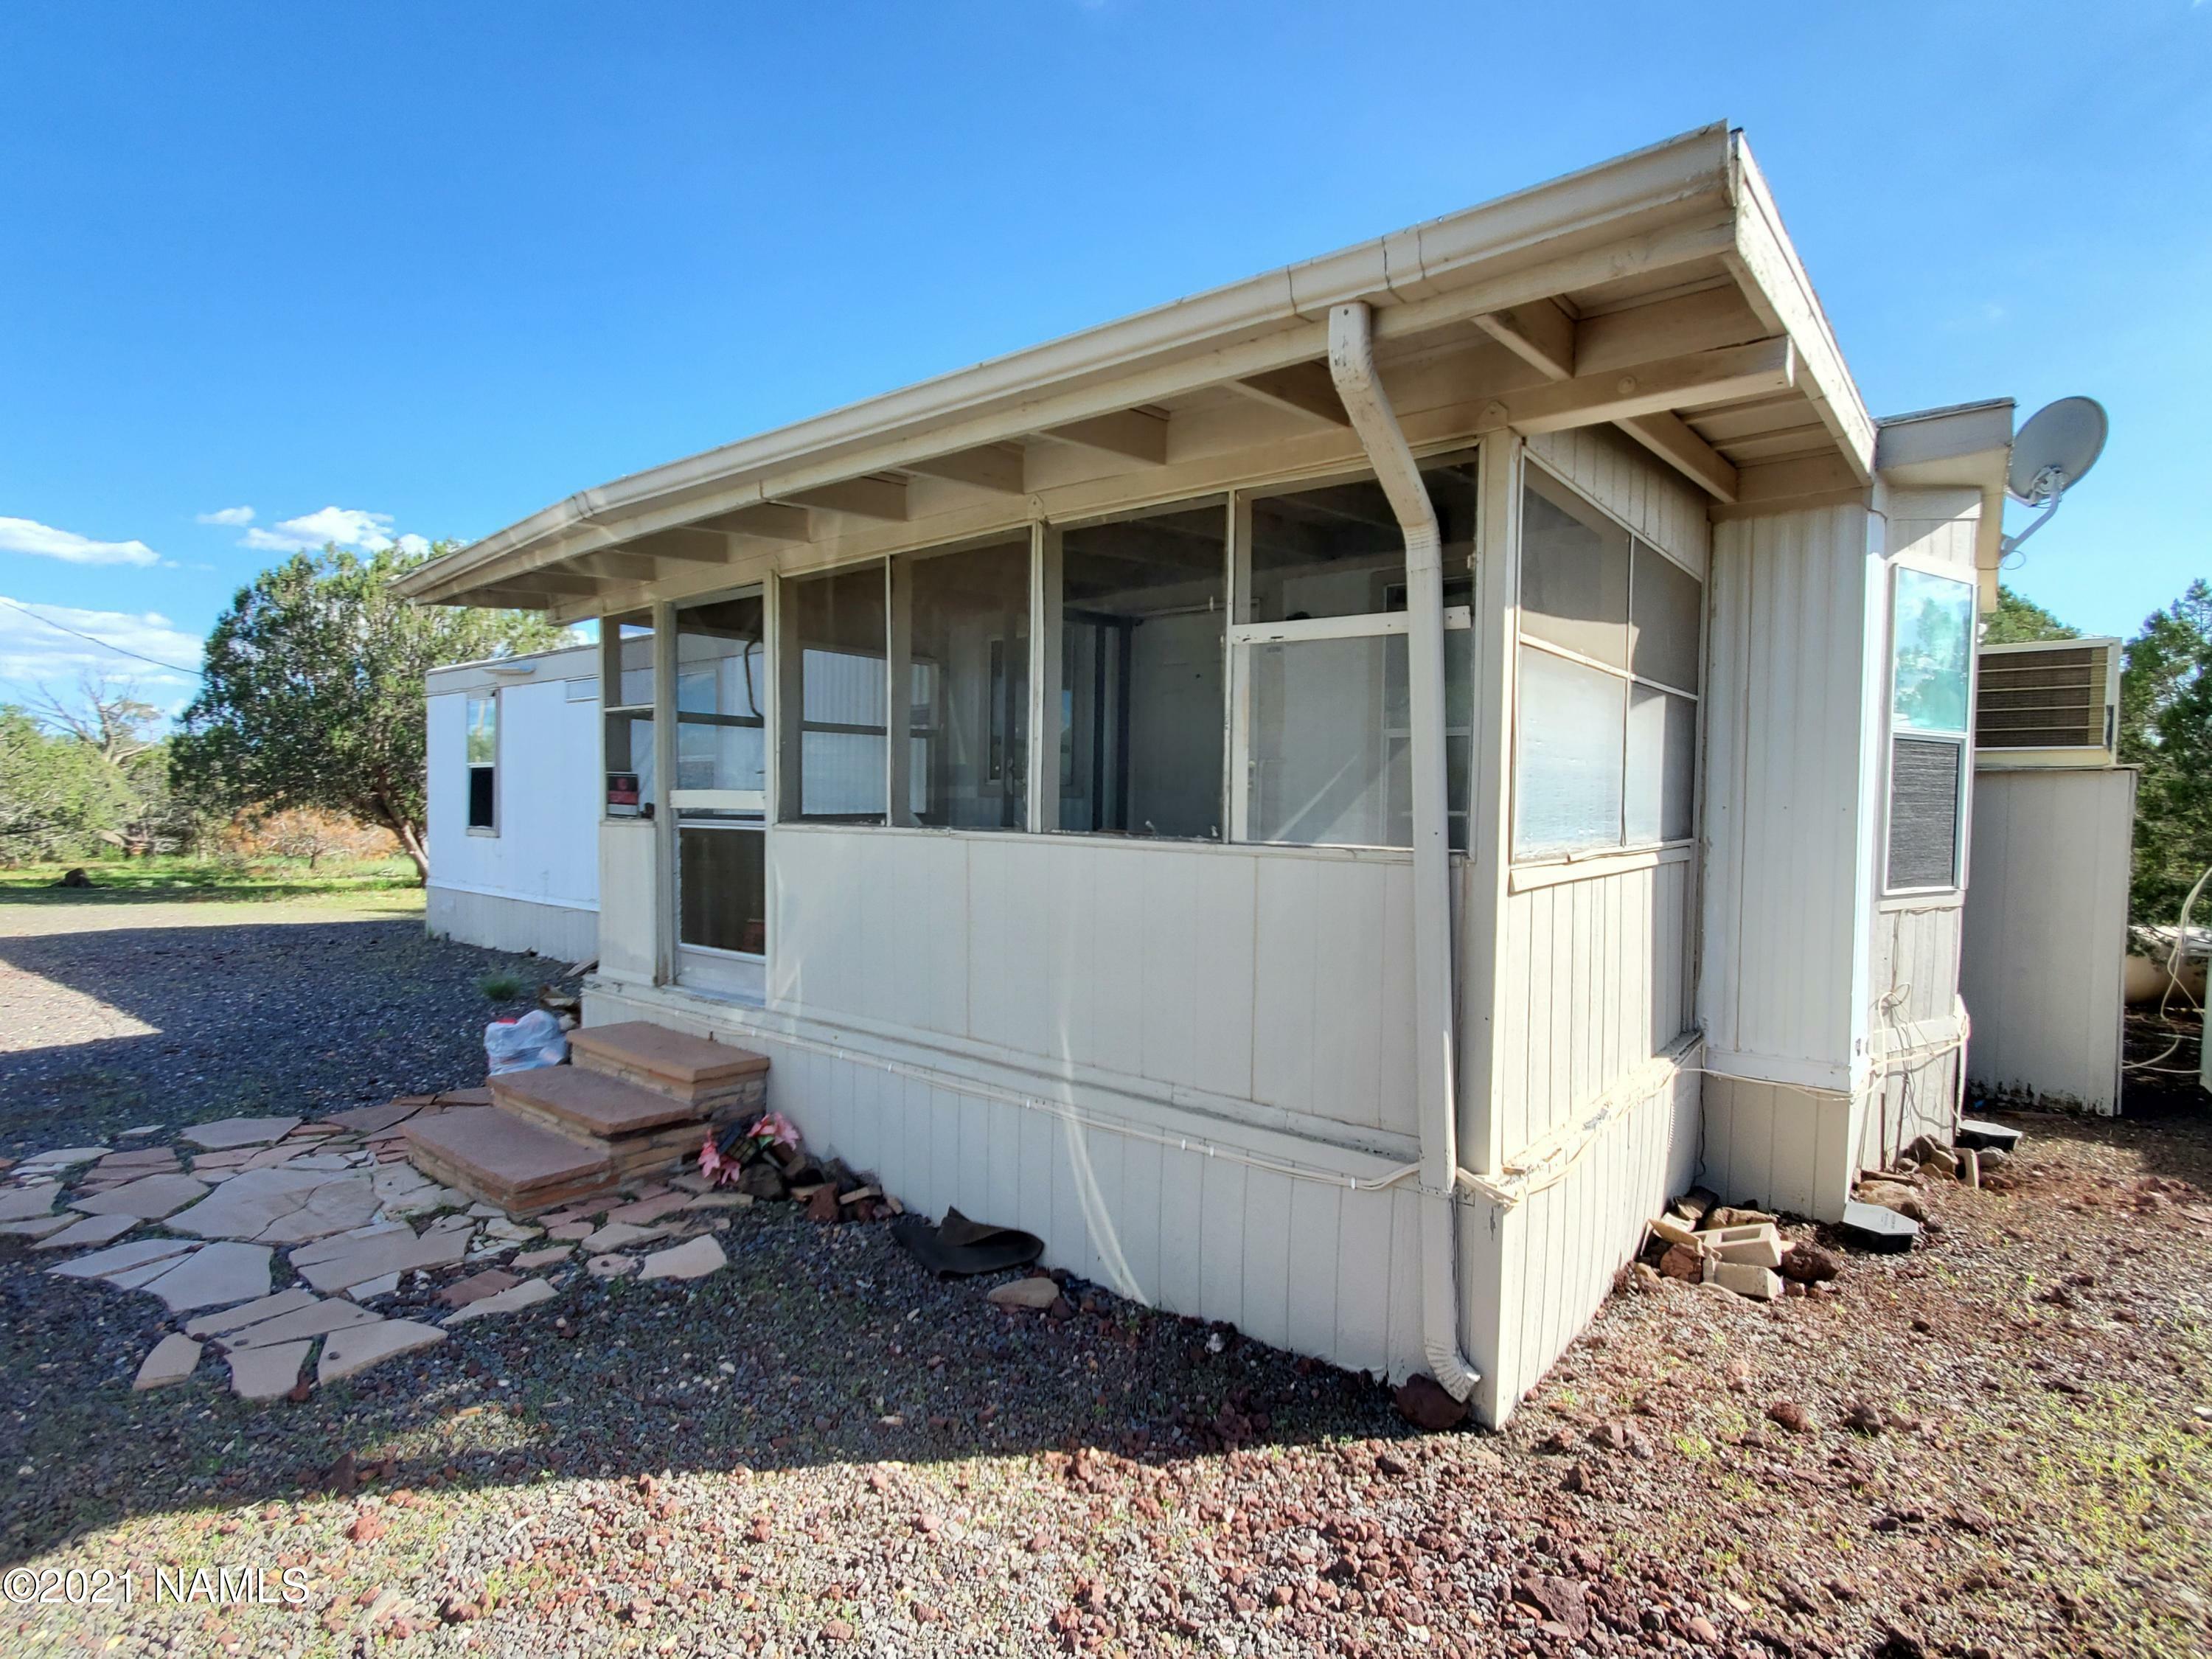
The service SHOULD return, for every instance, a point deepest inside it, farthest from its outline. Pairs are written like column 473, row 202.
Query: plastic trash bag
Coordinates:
column 520, row 1045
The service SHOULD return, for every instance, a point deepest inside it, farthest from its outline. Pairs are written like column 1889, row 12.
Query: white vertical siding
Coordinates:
column 548, row 788
column 1598, row 979
column 1786, row 746
column 1307, row 1264
column 1240, row 973
column 1619, row 475
column 2046, row 932
column 1562, row 1244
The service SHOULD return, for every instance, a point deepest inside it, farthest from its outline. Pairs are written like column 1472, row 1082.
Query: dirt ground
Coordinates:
column 822, row 1451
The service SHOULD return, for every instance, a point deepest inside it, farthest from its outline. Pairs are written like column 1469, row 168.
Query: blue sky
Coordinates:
column 419, row 271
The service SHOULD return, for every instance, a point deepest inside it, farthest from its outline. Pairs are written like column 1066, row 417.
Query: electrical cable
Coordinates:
column 93, row 639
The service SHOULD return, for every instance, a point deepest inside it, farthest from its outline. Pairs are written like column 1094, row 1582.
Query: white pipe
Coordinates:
column 1351, row 366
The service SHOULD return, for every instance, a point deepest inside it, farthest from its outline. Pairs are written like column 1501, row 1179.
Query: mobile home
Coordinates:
column 1327, row 801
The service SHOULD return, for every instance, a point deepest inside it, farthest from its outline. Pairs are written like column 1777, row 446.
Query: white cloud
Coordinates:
column 348, row 527
column 412, row 543
column 228, row 515
column 31, row 650
column 43, row 541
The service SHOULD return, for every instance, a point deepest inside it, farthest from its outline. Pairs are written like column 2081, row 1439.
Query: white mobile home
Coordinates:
column 1330, row 799
column 514, row 824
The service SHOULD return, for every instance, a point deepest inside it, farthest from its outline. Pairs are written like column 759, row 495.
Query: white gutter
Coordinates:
column 1668, row 203
column 1351, row 366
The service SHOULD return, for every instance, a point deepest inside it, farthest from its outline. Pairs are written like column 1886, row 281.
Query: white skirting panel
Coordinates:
column 1561, row 1245
column 1598, row 981
column 1776, row 1146
column 502, row 922
column 2046, row 924
column 1304, row 1264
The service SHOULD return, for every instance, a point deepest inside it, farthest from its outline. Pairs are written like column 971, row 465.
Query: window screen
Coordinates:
column 1924, row 811
column 722, row 888
column 968, row 714
column 835, row 632
column 1606, row 713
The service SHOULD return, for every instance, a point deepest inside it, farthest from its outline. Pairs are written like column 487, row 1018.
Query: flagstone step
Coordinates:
column 695, row 1070
column 588, row 1106
column 505, row 1159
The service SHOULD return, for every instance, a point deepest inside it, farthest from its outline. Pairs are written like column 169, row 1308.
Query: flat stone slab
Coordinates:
column 590, row 1102
column 641, row 1045
column 339, row 1204
column 174, row 1359
column 226, row 1132
column 61, row 1158
column 611, row 1266
column 22, row 1203
column 528, row 1294
column 93, row 1229
column 39, row 1226
column 693, row 1260
column 350, row 1351
column 267, row 1373
column 619, row 1235
column 477, row 1287
column 385, row 1253
column 319, row 1320
column 530, row 1259
column 215, row 1276
column 245, row 1204
column 371, row 1120
column 234, row 1318
column 1883, row 1229
column 148, row 1200
column 646, row 1211
column 370, row 1289
column 118, row 1257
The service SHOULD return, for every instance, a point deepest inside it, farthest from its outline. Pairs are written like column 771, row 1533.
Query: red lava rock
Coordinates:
column 456, row 1611
column 1422, row 1401
column 1789, row 1415
column 1684, row 1261
column 836, row 1629
column 1808, row 1264
column 1563, row 1601
column 824, row 1206
column 1863, row 1417
column 365, row 1528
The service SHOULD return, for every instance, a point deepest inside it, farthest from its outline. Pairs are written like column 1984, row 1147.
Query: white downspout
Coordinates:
column 1351, row 366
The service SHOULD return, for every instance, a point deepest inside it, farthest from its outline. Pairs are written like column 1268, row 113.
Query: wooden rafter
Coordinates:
column 1135, row 434
column 859, row 498
column 773, row 521
column 995, row 467
column 1302, row 389
column 1540, row 334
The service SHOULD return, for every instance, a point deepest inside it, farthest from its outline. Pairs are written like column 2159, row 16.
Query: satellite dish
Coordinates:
column 2056, row 450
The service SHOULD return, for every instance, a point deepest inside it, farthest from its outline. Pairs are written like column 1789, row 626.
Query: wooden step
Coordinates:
column 694, row 1070
column 498, row 1157
column 587, row 1106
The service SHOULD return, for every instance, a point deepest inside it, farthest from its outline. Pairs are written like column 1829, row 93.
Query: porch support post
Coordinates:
column 663, row 767
column 898, row 691
column 1043, row 758
column 1489, row 831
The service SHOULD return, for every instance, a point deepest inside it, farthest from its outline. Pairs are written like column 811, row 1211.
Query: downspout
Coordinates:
column 1351, row 366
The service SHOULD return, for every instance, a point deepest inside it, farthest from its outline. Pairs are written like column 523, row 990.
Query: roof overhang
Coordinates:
column 1964, row 447
column 1657, row 292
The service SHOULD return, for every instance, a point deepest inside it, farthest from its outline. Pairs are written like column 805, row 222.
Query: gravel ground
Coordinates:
column 121, row 1011
column 820, row 1450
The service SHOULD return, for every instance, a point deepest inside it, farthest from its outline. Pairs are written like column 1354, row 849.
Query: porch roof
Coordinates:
column 1657, row 291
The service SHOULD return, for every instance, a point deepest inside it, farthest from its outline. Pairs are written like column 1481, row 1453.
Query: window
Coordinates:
column 1142, row 706
column 834, row 706
column 1931, row 662
column 965, row 616
column 1322, row 653
column 626, row 698
column 1606, row 713
column 483, row 745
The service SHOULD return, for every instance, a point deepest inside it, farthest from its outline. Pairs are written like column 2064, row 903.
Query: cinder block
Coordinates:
column 1758, row 1245
column 1745, row 1278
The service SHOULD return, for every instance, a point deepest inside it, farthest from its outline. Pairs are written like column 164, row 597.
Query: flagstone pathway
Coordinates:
column 238, row 1207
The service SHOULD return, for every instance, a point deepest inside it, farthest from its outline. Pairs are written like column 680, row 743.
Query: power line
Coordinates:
column 93, row 639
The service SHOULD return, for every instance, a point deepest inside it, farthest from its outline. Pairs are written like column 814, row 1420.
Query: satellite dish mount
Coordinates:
column 2053, row 453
